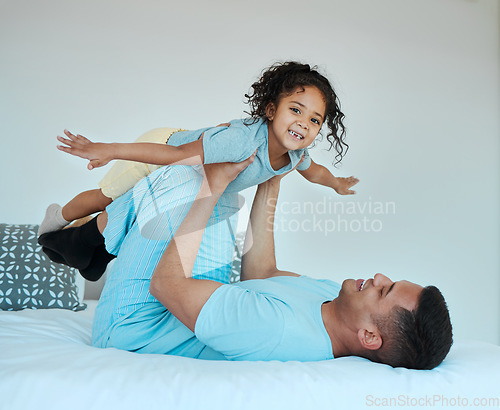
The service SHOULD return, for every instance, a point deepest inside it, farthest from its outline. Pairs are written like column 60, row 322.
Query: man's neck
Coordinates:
column 341, row 340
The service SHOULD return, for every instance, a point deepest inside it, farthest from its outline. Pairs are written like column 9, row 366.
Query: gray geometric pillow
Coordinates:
column 238, row 250
column 30, row 280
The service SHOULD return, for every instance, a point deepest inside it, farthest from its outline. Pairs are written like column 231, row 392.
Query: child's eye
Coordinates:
column 295, row 110
column 316, row 121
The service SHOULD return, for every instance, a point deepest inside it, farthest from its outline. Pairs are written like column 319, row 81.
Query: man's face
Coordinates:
column 361, row 300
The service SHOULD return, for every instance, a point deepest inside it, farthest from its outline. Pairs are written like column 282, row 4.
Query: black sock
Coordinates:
column 54, row 256
column 89, row 233
column 98, row 264
column 75, row 245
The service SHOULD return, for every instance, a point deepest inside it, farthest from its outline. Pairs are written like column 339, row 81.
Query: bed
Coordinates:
column 47, row 361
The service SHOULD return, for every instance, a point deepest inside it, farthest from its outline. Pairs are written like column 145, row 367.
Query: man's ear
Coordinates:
column 270, row 111
column 370, row 340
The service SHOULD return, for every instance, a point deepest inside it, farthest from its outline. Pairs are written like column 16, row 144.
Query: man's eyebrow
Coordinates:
column 302, row 105
column 392, row 286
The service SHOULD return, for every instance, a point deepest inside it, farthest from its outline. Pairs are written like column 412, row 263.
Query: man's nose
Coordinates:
column 381, row 280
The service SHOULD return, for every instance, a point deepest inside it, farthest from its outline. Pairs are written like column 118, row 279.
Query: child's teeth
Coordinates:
column 296, row 135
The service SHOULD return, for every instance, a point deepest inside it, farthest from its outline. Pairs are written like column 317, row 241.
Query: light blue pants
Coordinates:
column 140, row 225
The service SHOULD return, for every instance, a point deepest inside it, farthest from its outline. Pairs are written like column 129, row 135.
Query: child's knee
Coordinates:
column 102, row 199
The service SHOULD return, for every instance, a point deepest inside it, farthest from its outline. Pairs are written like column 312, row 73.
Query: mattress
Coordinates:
column 47, row 362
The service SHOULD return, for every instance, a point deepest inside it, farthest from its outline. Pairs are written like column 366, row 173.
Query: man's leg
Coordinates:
column 75, row 246
column 128, row 317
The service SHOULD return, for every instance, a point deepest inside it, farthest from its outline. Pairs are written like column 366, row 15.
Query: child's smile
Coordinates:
column 296, row 135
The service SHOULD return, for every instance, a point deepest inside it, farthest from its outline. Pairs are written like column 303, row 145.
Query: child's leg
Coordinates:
column 83, row 204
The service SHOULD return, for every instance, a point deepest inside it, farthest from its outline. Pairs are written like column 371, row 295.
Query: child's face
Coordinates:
column 297, row 119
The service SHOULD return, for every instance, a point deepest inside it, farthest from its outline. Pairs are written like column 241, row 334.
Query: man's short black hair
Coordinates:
column 418, row 339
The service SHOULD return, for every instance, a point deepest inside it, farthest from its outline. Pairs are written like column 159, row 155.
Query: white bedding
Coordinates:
column 46, row 362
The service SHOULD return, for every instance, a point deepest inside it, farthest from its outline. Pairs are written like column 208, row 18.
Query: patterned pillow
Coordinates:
column 28, row 279
column 238, row 250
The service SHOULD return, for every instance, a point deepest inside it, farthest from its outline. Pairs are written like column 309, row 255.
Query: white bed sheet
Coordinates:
column 46, row 362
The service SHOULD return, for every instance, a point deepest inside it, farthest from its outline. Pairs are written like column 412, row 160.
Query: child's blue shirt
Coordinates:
column 235, row 144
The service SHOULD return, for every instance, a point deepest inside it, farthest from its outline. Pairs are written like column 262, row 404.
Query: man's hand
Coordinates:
column 220, row 175
column 98, row 154
column 277, row 178
column 343, row 185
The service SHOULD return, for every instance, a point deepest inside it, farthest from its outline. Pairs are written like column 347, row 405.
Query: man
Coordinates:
column 175, row 223
column 285, row 316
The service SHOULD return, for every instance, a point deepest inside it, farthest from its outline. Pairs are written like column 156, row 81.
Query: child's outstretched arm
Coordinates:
column 320, row 175
column 99, row 154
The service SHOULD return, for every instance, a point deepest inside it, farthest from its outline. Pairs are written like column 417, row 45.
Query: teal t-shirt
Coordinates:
column 235, row 144
column 268, row 319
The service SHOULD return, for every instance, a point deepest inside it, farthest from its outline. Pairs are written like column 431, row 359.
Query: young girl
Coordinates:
column 288, row 106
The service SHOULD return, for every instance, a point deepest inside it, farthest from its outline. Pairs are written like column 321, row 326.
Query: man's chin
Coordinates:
column 347, row 285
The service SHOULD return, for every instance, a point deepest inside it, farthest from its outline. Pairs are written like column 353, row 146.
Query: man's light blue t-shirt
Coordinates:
column 268, row 319
column 235, row 144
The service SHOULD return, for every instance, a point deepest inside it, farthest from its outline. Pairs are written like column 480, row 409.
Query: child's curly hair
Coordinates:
column 282, row 79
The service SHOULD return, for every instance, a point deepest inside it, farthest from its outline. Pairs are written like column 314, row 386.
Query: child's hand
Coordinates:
column 343, row 184
column 97, row 153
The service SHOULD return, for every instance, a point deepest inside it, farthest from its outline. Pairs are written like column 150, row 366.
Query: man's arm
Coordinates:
column 259, row 259
column 99, row 154
column 172, row 283
column 319, row 174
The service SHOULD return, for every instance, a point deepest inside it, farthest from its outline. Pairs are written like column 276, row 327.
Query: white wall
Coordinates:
column 418, row 81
